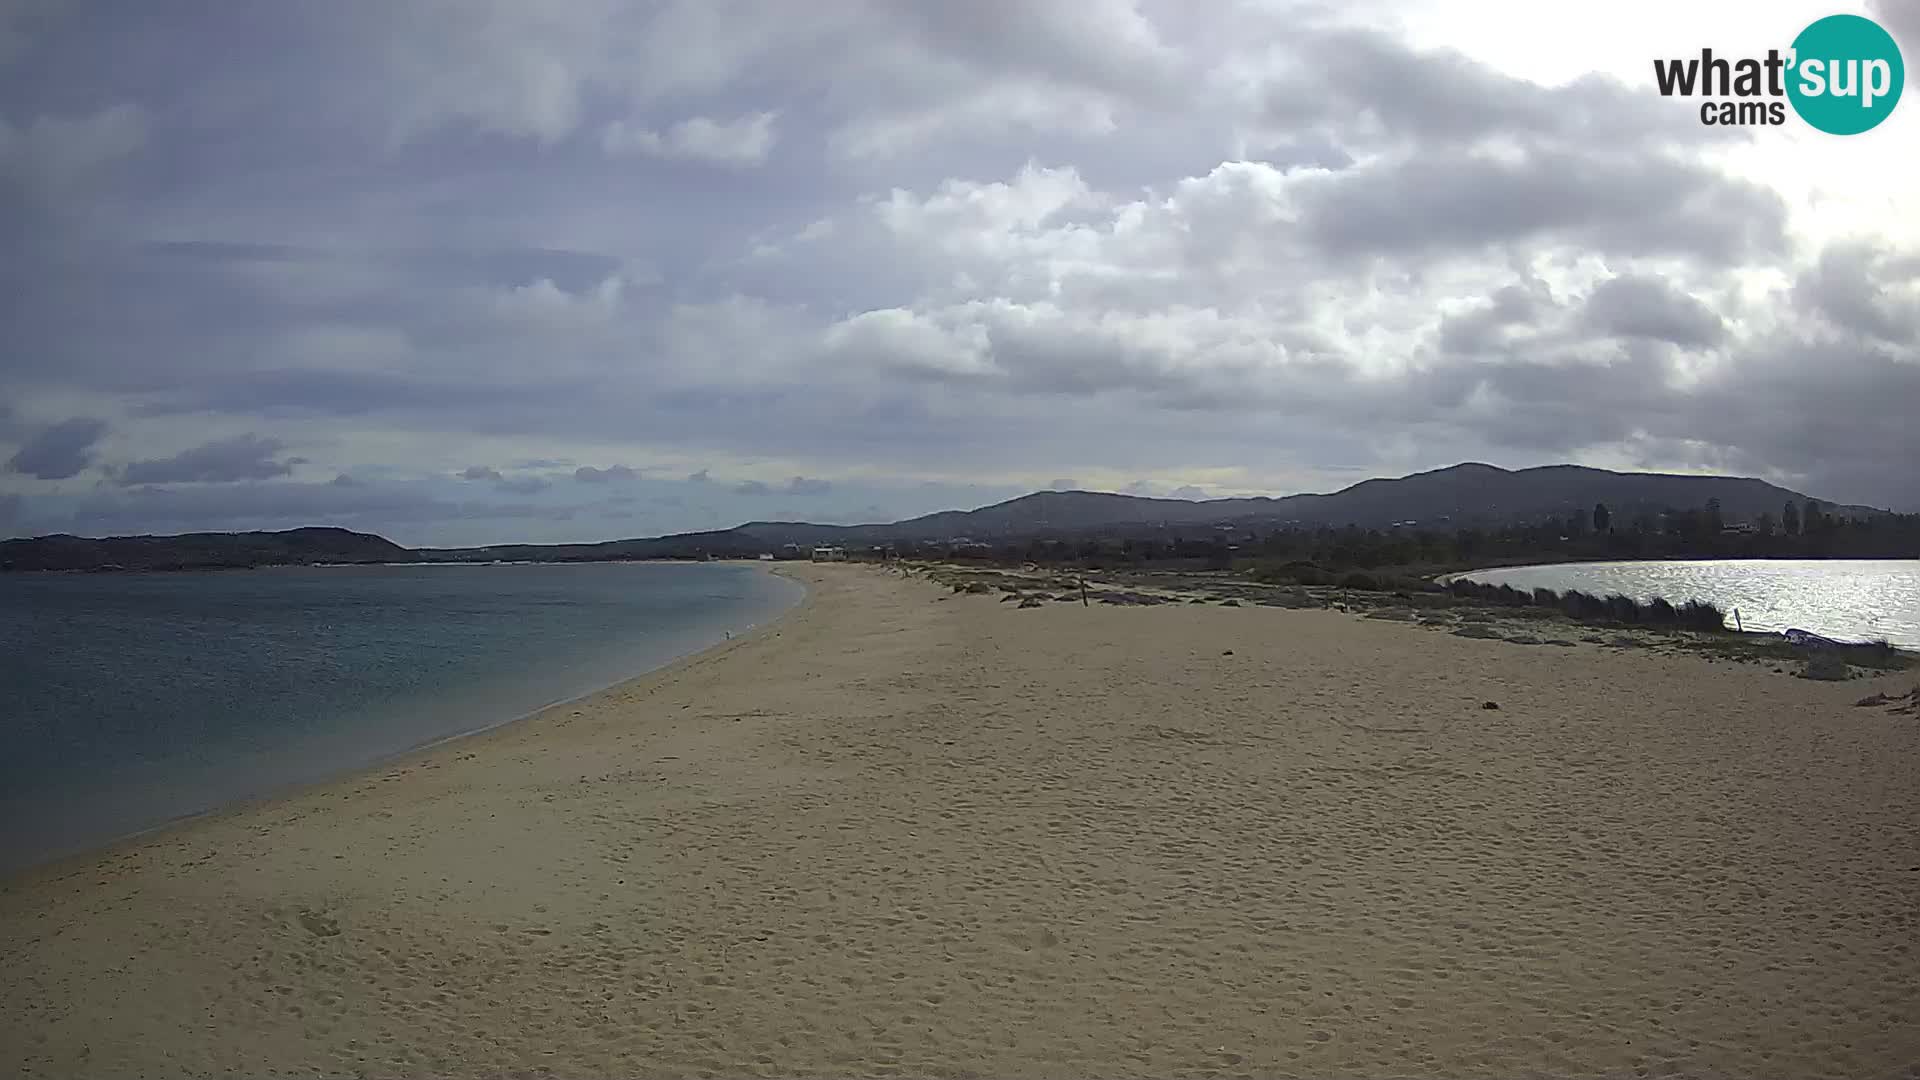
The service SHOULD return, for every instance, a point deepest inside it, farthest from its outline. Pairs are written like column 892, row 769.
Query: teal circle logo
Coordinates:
column 1847, row 74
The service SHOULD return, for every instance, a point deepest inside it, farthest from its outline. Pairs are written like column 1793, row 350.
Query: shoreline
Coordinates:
column 908, row 831
column 266, row 800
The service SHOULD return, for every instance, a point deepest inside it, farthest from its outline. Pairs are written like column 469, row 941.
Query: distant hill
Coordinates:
column 1444, row 500
column 1471, row 494
column 200, row 551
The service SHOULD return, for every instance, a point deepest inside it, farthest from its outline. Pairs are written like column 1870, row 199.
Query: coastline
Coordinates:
column 399, row 757
column 904, row 831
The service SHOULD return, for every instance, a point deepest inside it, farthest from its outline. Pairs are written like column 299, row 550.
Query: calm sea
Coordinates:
column 1848, row 599
column 128, row 700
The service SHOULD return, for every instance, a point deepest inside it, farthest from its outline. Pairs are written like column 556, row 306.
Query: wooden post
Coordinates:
column 1083, row 592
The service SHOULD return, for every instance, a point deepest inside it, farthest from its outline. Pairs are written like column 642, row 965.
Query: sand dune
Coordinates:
column 910, row 833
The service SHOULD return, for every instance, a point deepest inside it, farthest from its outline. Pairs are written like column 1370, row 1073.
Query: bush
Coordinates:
column 1699, row 615
column 1359, row 581
column 1623, row 609
column 1583, row 605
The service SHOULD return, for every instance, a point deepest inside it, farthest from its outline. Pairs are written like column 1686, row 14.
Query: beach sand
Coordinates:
column 906, row 832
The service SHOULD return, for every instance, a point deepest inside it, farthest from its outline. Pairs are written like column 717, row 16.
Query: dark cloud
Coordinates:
column 481, row 472
column 1367, row 85
column 1863, row 290
column 243, row 457
column 59, row 451
column 752, row 487
column 1453, row 200
column 1483, row 327
column 1639, row 306
column 1063, row 484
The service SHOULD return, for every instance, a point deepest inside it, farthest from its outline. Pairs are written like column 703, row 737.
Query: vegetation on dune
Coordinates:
column 1586, row 607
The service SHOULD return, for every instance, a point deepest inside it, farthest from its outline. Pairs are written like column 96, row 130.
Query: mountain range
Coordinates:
column 1464, row 495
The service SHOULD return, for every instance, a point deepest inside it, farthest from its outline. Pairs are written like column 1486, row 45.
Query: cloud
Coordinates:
column 54, row 154
column 746, row 140
column 798, row 485
column 59, row 451
column 587, row 474
column 1862, row 289
column 1639, row 306
column 1064, row 484
column 242, row 457
column 524, row 484
column 1250, row 247
column 1901, row 18
column 1487, row 325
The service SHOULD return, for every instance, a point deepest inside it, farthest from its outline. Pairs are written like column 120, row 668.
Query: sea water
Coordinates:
column 129, row 700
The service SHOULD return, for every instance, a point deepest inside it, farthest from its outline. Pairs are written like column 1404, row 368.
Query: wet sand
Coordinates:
column 907, row 832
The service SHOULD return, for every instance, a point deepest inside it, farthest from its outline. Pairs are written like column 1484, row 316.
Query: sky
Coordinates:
column 472, row 271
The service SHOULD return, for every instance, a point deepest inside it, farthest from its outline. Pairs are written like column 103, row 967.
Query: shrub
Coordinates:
column 1699, row 615
column 1623, row 608
column 1582, row 605
column 1359, row 581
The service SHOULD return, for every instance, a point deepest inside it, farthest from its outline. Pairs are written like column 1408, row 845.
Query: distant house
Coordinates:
column 829, row 554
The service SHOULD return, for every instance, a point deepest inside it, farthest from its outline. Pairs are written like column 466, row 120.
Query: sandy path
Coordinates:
column 909, row 833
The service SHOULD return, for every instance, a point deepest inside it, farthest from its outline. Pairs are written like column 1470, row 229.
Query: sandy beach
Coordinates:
column 904, row 832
